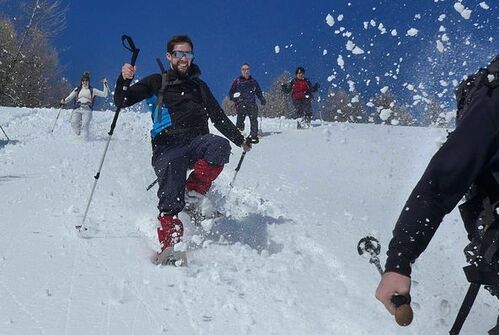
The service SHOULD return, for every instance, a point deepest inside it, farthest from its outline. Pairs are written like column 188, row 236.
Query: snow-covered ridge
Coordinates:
column 283, row 262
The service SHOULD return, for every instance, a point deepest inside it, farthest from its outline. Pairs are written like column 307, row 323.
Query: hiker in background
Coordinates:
column 84, row 96
column 243, row 91
column 467, row 164
column 301, row 93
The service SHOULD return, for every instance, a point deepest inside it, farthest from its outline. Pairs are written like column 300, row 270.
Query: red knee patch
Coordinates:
column 202, row 177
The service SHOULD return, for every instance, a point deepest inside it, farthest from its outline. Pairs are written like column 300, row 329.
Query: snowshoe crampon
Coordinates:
column 171, row 257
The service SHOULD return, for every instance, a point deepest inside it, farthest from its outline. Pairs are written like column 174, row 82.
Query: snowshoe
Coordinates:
column 199, row 207
column 170, row 256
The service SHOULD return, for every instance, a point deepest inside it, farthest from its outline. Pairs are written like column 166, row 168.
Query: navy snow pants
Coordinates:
column 171, row 162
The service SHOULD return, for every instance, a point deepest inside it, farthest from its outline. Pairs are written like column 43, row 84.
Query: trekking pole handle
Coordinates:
column 131, row 47
column 135, row 53
column 403, row 309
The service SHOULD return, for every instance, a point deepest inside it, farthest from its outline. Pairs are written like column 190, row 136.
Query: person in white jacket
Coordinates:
column 84, row 96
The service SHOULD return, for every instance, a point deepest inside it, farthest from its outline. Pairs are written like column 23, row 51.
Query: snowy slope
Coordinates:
column 283, row 262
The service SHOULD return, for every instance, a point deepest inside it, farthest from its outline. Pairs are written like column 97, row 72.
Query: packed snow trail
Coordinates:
column 284, row 261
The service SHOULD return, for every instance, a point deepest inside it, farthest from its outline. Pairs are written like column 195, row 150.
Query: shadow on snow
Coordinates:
column 251, row 230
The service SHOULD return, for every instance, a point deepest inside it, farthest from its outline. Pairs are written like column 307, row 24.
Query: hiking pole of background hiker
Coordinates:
column 135, row 52
column 57, row 117
column 8, row 139
column 403, row 310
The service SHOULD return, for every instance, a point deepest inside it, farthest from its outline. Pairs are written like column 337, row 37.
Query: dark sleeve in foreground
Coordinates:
column 219, row 118
column 139, row 91
column 447, row 178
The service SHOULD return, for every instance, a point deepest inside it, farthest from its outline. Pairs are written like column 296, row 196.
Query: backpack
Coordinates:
column 479, row 212
column 464, row 92
column 481, row 200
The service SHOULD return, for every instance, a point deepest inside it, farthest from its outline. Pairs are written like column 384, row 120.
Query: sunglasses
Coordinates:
column 179, row 54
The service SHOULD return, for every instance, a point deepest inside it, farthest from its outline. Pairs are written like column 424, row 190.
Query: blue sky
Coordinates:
column 227, row 33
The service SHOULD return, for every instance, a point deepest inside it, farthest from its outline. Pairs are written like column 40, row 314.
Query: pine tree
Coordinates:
column 278, row 103
column 388, row 111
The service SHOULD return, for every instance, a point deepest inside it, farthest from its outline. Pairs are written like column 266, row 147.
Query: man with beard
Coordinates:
column 181, row 104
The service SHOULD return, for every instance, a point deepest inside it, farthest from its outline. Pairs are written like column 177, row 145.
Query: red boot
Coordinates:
column 202, row 177
column 170, row 232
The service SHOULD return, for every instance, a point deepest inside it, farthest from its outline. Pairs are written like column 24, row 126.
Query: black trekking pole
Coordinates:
column 151, row 184
column 231, row 184
column 135, row 53
column 8, row 139
column 403, row 310
column 57, row 117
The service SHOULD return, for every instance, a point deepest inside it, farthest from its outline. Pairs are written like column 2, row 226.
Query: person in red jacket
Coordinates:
column 301, row 92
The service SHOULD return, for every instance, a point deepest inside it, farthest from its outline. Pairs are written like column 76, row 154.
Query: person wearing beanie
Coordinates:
column 301, row 93
column 84, row 96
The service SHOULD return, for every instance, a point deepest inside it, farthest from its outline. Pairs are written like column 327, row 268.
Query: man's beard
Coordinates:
column 182, row 72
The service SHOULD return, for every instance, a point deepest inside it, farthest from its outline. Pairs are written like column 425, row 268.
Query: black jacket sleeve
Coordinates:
column 446, row 179
column 219, row 118
column 232, row 90
column 259, row 93
column 137, row 92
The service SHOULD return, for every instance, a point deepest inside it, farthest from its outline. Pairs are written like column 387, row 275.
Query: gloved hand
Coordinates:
column 263, row 102
column 62, row 102
column 316, row 87
column 104, row 81
column 246, row 146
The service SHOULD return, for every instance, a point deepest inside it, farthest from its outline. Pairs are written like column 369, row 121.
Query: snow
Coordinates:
column 350, row 46
column 412, row 32
column 277, row 49
column 330, row 20
column 484, row 5
column 284, row 261
column 440, row 46
column 341, row 62
column 465, row 12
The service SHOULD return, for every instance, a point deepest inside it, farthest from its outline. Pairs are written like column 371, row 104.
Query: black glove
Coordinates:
column 263, row 102
column 316, row 86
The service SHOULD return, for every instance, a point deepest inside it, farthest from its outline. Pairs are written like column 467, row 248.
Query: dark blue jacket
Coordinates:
column 187, row 105
column 247, row 89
